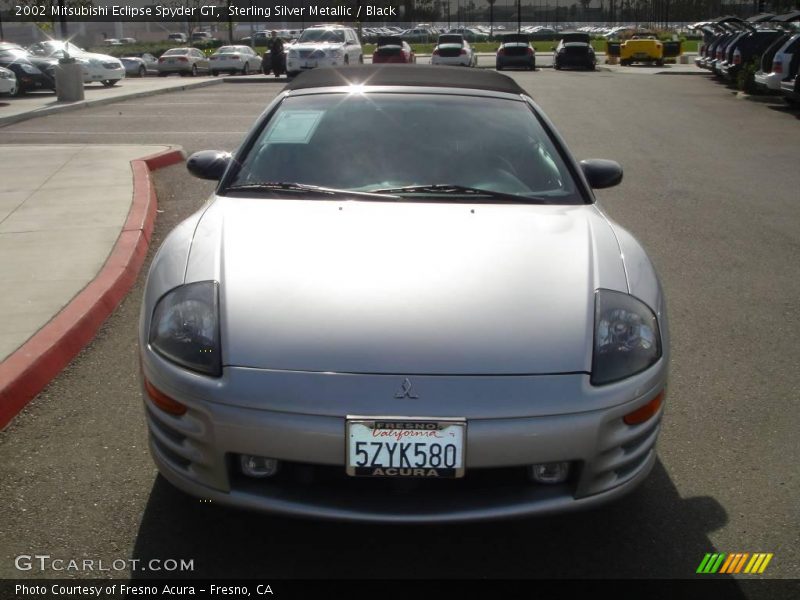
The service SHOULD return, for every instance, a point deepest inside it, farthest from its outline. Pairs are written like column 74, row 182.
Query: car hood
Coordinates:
column 374, row 287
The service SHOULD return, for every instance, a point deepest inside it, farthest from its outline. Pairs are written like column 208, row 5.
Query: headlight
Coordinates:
column 6, row 74
column 626, row 337
column 335, row 52
column 185, row 327
column 30, row 69
column 293, row 53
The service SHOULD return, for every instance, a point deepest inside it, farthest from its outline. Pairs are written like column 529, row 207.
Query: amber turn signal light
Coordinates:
column 643, row 413
column 162, row 401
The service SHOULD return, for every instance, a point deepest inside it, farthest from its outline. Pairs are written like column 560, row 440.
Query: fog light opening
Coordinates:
column 258, row 466
column 643, row 413
column 164, row 402
column 550, row 473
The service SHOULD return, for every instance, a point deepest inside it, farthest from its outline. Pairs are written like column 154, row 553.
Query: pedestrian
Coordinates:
column 276, row 54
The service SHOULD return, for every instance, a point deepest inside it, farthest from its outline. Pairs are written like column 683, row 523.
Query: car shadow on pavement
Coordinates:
column 652, row 533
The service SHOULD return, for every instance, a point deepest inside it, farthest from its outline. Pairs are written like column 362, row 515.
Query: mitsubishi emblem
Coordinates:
column 405, row 390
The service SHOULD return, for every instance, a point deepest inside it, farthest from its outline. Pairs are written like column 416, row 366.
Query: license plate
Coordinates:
column 399, row 447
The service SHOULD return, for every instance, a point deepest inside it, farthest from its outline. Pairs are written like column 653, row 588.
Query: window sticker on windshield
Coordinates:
column 294, row 127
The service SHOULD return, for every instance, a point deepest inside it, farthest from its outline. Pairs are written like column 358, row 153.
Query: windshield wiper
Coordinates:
column 437, row 189
column 304, row 188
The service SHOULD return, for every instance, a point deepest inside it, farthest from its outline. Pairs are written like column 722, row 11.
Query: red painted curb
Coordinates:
column 33, row 365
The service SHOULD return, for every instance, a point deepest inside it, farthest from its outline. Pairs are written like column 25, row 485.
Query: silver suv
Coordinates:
column 324, row 46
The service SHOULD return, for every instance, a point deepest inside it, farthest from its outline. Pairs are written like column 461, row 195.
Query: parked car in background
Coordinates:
column 324, row 46
column 641, row 48
column 127, row 40
column 470, row 34
column 745, row 48
column 140, row 64
column 181, row 38
column 234, row 59
column 776, row 60
column 510, row 359
column 791, row 90
column 393, row 49
column 574, row 49
column 111, row 42
column 183, row 61
column 419, row 35
column 515, row 51
column 8, row 82
column 202, row 36
column 31, row 72
column 102, row 68
column 790, row 87
column 452, row 49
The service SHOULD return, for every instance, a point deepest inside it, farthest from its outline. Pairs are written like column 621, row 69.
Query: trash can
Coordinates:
column 69, row 80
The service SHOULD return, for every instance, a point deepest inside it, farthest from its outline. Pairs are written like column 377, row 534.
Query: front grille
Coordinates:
column 305, row 53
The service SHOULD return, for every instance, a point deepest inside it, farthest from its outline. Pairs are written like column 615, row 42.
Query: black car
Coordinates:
column 790, row 87
column 574, row 50
column 745, row 48
column 515, row 51
column 32, row 72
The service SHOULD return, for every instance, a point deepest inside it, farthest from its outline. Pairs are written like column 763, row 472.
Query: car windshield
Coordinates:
column 322, row 35
column 451, row 39
column 54, row 48
column 383, row 141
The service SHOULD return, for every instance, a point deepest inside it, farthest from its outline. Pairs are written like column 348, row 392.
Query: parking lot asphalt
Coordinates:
column 710, row 189
column 44, row 102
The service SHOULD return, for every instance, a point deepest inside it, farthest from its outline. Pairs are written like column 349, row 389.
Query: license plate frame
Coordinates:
column 422, row 430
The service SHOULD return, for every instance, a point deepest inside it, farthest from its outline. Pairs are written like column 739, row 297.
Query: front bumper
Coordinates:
column 296, row 64
column 7, row 85
column 93, row 73
column 299, row 418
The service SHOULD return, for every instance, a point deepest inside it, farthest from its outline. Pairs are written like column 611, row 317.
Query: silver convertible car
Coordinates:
column 403, row 304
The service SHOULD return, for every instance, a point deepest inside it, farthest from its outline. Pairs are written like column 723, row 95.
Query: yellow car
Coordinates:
column 642, row 49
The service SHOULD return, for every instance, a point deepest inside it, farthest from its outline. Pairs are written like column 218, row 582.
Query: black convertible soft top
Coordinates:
column 406, row 75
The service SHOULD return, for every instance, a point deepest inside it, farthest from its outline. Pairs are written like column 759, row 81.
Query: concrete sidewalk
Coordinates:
column 36, row 104
column 75, row 223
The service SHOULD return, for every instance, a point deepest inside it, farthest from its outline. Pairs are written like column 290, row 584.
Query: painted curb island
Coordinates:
column 29, row 369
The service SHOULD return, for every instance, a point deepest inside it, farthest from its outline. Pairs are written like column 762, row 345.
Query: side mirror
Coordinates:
column 208, row 164
column 601, row 173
